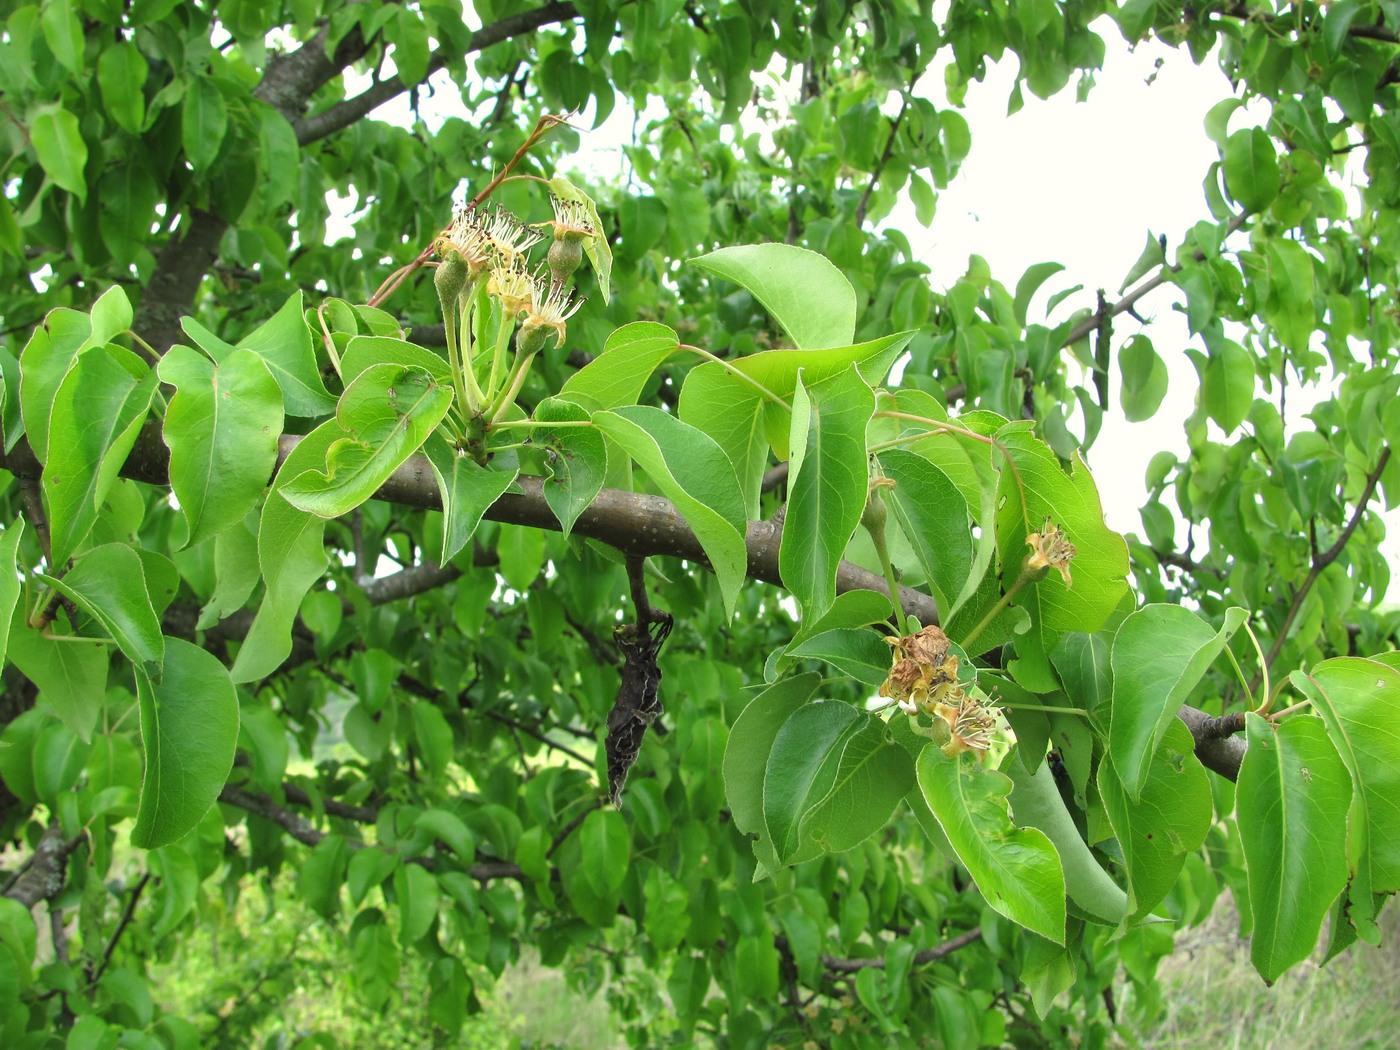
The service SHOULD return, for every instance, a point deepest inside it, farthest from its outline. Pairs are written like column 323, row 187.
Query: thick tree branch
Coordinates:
column 343, row 114
column 632, row 522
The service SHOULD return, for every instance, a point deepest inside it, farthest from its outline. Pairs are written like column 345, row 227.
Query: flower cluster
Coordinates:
column 923, row 679
column 495, row 245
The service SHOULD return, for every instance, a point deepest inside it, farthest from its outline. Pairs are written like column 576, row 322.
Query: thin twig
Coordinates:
column 122, row 924
column 1322, row 561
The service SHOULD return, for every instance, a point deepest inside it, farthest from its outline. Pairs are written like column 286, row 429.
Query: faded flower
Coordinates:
column 1050, row 549
column 923, row 679
column 513, row 286
column 550, row 306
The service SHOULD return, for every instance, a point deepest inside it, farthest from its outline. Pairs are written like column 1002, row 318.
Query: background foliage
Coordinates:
column 309, row 702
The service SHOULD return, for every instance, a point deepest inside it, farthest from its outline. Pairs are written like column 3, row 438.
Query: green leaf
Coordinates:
column 322, row 874
column 63, row 32
column 933, row 514
column 1251, row 169
column 1144, row 379
column 1359, row 701
column 417, row 893
column 59, row 144
column 1082, row 661
column 189, row 730
column 97, row 414
column 577, row 456
column 827, row 488
column 10, row 573
column 433, row 737
column 366, row 351
column 386, row 414
column 284, row 344
column 1159, row 654
column 1170, row 822
column 862, row 654
column 607, row 850
column 203, row 121
column 874, row 774
column 1029, row 284
column 615, row 377
column 71, row 676
column 1290, row 307
column 801, row 770
column 750, row 742
column 121, row 77
column 108, row 583
column 467, row 489
column 222, row 427
column 1227, row 387
column 597, row 247
column 1036, row 803
column 809, row 297
column 1016, row 869
column 1291, row 805
column 292, row 558
column 44, row 362
column 695, row 474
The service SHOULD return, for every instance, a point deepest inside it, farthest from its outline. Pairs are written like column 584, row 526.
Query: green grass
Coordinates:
column 1212, row 998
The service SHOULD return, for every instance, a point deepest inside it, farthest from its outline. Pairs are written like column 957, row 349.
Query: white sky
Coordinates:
column 1081, row 184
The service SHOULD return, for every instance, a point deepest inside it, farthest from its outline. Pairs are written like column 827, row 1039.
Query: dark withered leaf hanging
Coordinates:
column 638, row 702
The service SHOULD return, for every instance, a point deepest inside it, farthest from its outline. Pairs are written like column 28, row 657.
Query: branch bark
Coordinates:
column 41, row 877
column 632, row 522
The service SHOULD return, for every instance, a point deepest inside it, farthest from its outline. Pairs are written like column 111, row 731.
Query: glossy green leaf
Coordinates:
column 1291, row 803
column 365, row 351
column 222, row 427
column 284, row 344
column 1082, row 662
column 1251, row 168
column 615, row 377
column 1036, row 803
column 467, row 490
column 1159, row 654
column 1156, row 834
column 933, row 515
column 189, row 730
column 1359, row 701
column 862, row 654
column 236, row 573
column 121, row 77
column 746, row 755
column 874, row 774
column 607, row 850
column 385, row 414
column 809, row 297
column 108, row 583
column 801, row 770
column 292, row 558
column 577, row 458
column 695, row 474
column 1016, row 869
column 204, row 121
column 1144, row 376
column 44, row 362
column 322, row 874
column 827, row 488
column 59, row 757
column 58, row 142
column 97, row 414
